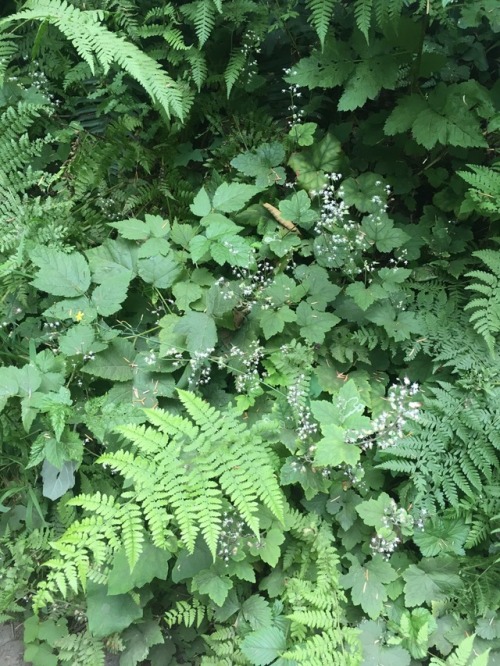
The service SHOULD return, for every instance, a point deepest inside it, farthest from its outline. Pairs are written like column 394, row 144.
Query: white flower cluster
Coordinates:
column 296, row 113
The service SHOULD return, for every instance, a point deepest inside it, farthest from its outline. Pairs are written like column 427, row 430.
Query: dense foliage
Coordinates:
column 250, row 307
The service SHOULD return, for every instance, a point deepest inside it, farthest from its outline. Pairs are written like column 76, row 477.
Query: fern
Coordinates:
column 363, row 15
column 188, row 614
column 320, row 17
column 462, row 656
column 485, row 182
column 93, row 40
column 202, row 13
column 316, row 602
column 486, row 315
column 234, row 68
column 184, row 471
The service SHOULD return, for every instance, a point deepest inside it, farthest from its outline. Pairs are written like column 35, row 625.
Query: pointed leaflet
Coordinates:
column 115, row 363
column 60, row 274
column 217, row 587
column 109, row 296
column 159, row 271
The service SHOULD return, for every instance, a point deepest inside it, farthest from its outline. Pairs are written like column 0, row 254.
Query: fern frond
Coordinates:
column 202, row 13
column 234, row 68
column 363, row 16
column 93, row 40
column 321, row 14
column 486, row 315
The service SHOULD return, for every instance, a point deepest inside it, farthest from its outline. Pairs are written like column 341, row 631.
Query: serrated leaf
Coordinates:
column 373, row 511
column 232, row 197
column 115, row 363
column 274, row 321
column 109, row 614
column 77, row 340
column 314, row 324
column 131, row 229
column 368, row 584
column 263, row 646
column 107, row 298
column 201, row 205
column 442, row 536
column 200, row 331
column 217, row 587
column 159, row 271
column 298, row 210
column 185, row 293
column 312, row 165
column 257, row 612
column 380, row 230
column 60, row 274
column 375, row 652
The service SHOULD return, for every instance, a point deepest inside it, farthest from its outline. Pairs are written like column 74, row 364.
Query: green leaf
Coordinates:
column 298, row 210
column 8, row 384
column 219, row 226
column 200, row 331
column 375, row 653
column 314, row 325
column 233, row 250
column 379, row 229
column 373, row 511
column 442, row 536
column 138, row 639
column 57, row 481
column 113, row 257
column 109, row 614
column 232, row 197
column 262, row 164
column 422, row 587
column 303, row 133
column 185, row 293
column 257, row 612
column 368, row 584
column 366, row 192
column 270, row 551
column 333, row 450
column 131, row 229
column 60, row 274
column 274, row 321
column 263, row 646
column 152, row 563
column 159, row 271
column 217, row 587
column 368, row 79
column 115, row 363
column 78, row 340
column 312, row 165
column 364, row 296
column 201, row 205
column 109, row 296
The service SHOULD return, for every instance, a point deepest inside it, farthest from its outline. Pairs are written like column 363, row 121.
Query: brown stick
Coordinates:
column 278, row 217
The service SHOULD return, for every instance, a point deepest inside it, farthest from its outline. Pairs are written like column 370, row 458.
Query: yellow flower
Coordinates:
column 79, row 316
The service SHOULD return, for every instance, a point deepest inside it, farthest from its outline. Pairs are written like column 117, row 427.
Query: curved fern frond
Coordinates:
column 93, row 40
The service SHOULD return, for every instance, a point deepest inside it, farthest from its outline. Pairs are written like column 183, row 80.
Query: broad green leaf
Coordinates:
column 263, row 646
column 257, row 612
column 333, row 449
column 60, row 274
column 274, row 321
column 262, row 164
column 138, row 639
column 185, row 293
column 380, row 230
column 159, row 271
column 219, row 226
column 232, row 197
column 113, row 257
column 201, row 205
column 78, row 309
column 199, row 247
column 152, row 563
column 424, row 588
column 442, row 536
column 373, row 511
column 200, row 332
column 312, row 165
column 115, row 363
column 108, row 297
column 217, row 587
column 8, row 384
column 370, row 76
column 233, row 250
column 364, row 296
column 131, row 229
column 303, row 133
column 56, row 481
column 77, row 340
column 270, row 550
column 368, row 584
column 28, row 379
column 190, row 564
column 366, row 192
column 298, row 210
column 375, row 652
column 314, row 324
column 109, row 614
